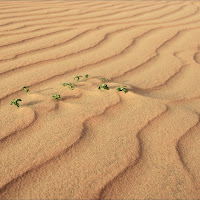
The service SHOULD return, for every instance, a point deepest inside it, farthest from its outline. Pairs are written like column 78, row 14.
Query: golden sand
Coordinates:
column 100, row 144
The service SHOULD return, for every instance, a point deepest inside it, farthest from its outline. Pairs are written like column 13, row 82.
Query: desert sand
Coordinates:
column 94, row 143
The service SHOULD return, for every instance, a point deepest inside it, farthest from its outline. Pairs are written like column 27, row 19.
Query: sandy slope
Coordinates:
column 100, row 144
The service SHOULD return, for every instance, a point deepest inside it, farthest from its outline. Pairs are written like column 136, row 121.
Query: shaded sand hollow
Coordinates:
column 100, row 144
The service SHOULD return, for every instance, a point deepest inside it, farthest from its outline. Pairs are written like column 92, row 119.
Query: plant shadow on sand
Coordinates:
column 63, row 98
column 135, row 90
column 97, row 76
column 39, row 91
column 32, row 103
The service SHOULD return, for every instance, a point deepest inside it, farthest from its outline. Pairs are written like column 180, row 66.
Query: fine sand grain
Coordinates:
column 100, row 144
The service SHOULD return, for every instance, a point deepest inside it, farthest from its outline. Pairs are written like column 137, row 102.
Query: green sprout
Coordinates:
column 64, row 84
column 15, row 101
column 86, row 76
column 104, row 79
column 56, row 96
column 70, row 85
column 78, row 77
column 104, row 86
column 25, row 89
column 122, row 88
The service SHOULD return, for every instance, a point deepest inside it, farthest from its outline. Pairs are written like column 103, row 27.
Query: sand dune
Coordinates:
column 100, row 144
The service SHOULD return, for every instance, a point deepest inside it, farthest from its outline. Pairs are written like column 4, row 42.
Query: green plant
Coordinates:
column 70, row 85
column 104, row 79
column 122, row 88
column 56, row 96
column 86, row 76
column 25, row 89
column 78, row 77
column 64, row 84
column 15, row 102
column 104, row 86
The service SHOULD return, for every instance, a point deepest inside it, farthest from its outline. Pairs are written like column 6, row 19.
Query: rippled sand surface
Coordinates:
column 100, row 144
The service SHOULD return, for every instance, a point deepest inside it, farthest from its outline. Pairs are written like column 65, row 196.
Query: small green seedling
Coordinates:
column 25, row 89
column 70, row 85
column 104, row 79
column 15, row 102
column 104, row 86
column 64, row 84
column 122, row 88
column 56, row 96
column 78, row 77
column 86, row 76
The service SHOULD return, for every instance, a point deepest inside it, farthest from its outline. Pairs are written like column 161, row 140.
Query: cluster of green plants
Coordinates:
column 15, row 102
column 57, row 97
column 104, row 86
column 122, row 88
column 70, row 85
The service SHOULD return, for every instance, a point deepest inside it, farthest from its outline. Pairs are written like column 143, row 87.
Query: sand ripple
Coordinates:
column 98, row 144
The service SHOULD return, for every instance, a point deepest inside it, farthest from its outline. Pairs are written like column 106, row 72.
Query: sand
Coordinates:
column 100, row 144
